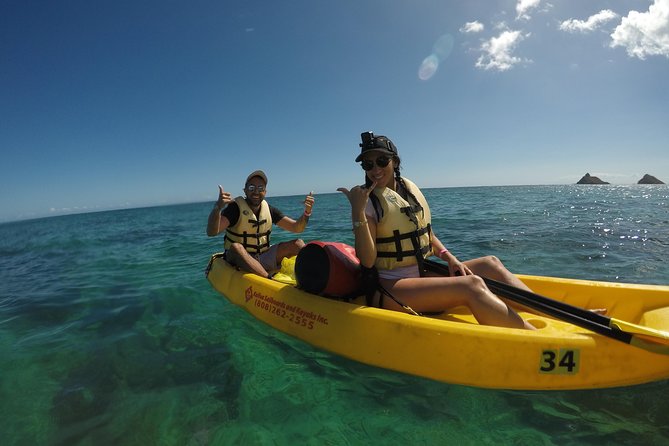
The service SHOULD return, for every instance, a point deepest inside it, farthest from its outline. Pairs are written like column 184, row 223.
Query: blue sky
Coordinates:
column 112, row 104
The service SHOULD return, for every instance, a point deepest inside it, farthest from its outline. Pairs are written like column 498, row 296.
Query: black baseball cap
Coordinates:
column 378, row 143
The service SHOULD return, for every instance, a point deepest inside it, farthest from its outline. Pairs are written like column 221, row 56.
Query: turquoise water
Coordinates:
column 110, row 333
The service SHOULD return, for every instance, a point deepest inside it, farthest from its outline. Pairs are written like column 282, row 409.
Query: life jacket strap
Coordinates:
column 397, row 236
column 401, row 254
column 247, row 240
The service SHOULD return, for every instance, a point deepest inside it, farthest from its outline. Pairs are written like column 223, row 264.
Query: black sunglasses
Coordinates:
column 253, row 187
column 381, row 161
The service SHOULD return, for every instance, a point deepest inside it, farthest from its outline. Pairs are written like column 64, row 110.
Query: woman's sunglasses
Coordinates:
column 381, row 161
column 253, row 188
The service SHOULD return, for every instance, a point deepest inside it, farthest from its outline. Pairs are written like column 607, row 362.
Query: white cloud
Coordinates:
column 498, row 51
column 523, row 7
column 645, row 33
column 592, row 23
column 472, row 27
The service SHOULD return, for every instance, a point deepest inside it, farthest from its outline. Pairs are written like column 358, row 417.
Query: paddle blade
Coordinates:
column 650, row 334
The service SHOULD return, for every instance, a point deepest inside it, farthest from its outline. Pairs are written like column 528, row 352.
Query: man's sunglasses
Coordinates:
column 253, row 188
column 381, row 161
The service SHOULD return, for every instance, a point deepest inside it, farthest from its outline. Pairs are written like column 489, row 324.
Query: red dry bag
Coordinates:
column 328, row 268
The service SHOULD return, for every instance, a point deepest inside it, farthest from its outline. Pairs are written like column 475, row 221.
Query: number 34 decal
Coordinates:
column 563, row 361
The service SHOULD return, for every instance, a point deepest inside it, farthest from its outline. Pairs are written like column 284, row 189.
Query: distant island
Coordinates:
column 649, row 179
column 588, row 179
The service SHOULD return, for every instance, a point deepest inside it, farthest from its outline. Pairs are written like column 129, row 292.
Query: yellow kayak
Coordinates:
column 454, row 348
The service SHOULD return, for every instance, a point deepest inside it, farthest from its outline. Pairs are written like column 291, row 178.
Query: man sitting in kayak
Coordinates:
column 247, row 222
column 393, row 237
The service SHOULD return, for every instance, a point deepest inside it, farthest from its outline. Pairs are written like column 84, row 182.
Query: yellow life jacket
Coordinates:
column 251, row 231
column 403, row 233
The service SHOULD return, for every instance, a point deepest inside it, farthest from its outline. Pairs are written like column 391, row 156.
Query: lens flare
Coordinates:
column 429, row 66
column 441, row 49
column 443, row 46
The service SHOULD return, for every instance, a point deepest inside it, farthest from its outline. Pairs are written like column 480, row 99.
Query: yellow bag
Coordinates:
column 287, row 272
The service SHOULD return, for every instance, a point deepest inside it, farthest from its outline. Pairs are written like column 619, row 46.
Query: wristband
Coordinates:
column 357, row 224
column 442, row 252
column 307, row 214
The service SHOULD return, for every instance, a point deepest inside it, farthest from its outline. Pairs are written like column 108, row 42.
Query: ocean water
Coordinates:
column 110, row 333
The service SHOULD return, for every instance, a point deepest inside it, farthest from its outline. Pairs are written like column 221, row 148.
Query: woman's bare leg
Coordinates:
column 493, row 268
column 442, row 293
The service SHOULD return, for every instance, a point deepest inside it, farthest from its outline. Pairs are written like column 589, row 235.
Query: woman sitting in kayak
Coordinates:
column 393, row 236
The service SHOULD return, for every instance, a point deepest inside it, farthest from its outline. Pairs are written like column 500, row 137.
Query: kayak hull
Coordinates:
column 454, row 348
